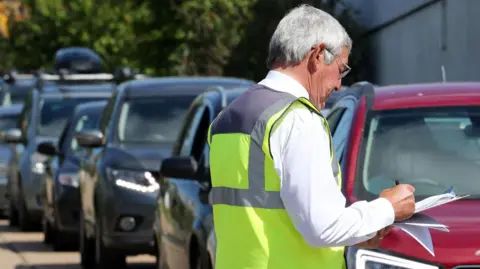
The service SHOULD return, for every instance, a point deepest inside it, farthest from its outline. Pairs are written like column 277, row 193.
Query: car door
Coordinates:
column 51, row 170
column 88, row 169
column 340, row 121
column 179, row 196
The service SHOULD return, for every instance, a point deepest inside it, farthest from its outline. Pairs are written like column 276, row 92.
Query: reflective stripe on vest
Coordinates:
column 258, row 196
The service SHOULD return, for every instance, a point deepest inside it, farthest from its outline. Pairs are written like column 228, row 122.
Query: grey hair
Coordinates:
column 303, row 28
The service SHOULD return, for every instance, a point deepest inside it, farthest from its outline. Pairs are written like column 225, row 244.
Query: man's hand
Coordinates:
column 376, row 240
column 402, row 200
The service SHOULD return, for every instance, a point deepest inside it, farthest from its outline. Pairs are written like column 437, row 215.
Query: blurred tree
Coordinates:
column 195, row 37
column 164, row 37
column 107, row 26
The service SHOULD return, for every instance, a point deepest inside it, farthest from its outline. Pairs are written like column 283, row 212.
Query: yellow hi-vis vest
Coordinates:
column 252, row 227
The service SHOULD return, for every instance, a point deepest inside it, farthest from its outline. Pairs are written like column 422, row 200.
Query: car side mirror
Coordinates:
column 89, row 138
column 13, row 136
column 47, row 148
column 180, row 167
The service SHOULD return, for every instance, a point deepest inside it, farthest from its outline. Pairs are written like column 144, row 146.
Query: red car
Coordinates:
column 426, row 135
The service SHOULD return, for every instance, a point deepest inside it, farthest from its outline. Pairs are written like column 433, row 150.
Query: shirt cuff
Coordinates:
column 384, row 208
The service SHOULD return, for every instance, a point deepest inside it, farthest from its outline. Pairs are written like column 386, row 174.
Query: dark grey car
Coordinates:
column 42, row 119
column 8, row 119
column 61, row 197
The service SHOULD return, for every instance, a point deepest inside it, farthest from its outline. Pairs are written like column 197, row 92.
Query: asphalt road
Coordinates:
column 20, row 250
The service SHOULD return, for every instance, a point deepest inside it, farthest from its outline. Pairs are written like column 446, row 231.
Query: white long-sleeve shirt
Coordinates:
column 301, row 154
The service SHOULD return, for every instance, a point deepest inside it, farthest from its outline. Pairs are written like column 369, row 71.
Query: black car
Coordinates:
column 118, row 179
column 45, row 112
column 61, row 197
column 8, row 119
column 183, row 219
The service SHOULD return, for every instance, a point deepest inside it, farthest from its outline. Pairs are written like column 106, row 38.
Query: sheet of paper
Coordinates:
column 423, row 220
column 420, row 234
column 437, row 200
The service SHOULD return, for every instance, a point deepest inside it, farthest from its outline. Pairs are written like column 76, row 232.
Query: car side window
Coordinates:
column 85, row 122
column 188, row 141
column 334, row 118
column 107, row 113
column 25, row 116
column 63, row 137
column 200, row 138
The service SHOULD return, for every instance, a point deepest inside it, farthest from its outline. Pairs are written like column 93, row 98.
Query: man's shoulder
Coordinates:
column 298, row 117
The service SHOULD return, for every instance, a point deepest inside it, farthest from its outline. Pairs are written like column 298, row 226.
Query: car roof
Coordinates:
column 80, row 87
column 20, row 84
column 215, row 97
column 179, row 85
column 427, row 95
column 11, row 110
column 94, row 105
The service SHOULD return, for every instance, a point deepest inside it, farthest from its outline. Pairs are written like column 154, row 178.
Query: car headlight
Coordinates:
column 69, row 179
column 142, row 181
column 37, row 162
column 370, row 259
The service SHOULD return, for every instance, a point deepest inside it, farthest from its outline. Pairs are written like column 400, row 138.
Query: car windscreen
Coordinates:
column 8, row 122
column 15, row 94
column 152, row 120
column 431, row 149
column 54, row 113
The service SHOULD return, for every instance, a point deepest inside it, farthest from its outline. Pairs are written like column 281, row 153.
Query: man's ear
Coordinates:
column 317, row 57
column 321, row 52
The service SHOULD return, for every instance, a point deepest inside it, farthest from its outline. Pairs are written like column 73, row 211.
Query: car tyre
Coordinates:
column 87, row 247
column 12, row 214
column 48, row 232
column 23, row 218
column 60, row 242
column 105, row 257
column 202, row 262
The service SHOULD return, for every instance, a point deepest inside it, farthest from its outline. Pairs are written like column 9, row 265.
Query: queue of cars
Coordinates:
column 122, row 168
column 87, row 153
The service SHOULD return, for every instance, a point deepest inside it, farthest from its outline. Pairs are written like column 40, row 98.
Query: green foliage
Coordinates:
column 108, row 27
column 163, row 37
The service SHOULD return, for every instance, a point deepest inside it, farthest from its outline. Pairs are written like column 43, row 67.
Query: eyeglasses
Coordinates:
column 344, row 69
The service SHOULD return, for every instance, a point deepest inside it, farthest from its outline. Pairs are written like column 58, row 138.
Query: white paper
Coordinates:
column 423, row 220
column 420, row 234
column 417, row 225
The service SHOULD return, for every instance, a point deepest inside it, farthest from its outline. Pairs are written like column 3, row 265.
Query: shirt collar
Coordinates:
column 281, row 82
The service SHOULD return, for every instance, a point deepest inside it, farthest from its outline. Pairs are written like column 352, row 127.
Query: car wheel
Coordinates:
column 87, row 247
column 60, row 241
column 202, row 262
column 23, row 218
column 105, row 257
column 48, row 232
column 12, row 214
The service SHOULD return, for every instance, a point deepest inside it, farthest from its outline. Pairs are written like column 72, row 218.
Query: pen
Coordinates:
column 397, row 182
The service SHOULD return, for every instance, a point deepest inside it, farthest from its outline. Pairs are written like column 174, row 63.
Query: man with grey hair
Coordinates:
column 275, row 178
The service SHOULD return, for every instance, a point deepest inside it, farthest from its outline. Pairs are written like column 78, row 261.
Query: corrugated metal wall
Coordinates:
column 413, row 49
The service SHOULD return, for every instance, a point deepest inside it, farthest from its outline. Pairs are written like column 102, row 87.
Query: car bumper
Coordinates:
column 128, row 203
column 67, row 209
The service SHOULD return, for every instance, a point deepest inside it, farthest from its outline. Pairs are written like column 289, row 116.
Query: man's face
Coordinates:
column 328, row 77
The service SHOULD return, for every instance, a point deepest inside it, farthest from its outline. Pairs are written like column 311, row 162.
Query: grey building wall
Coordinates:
column 412, row 48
